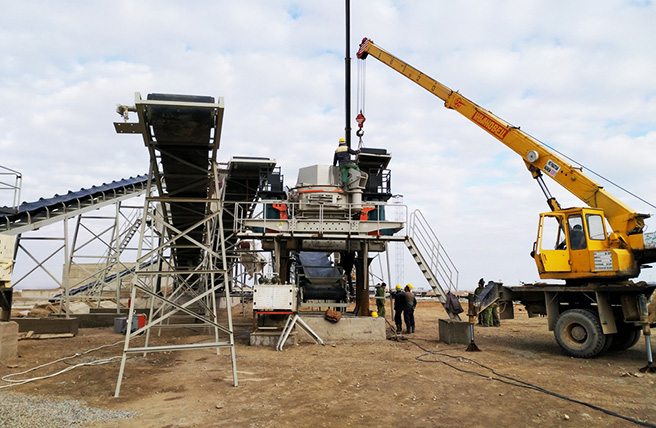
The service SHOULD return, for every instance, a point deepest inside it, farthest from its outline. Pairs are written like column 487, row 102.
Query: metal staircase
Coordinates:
column 129, row 234
column 110, row 273
column 431, row 258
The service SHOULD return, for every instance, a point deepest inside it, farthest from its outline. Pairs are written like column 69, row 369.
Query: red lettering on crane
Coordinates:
column 490, row 125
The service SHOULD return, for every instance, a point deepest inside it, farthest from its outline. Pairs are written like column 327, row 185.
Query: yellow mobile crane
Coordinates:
column 594, row 249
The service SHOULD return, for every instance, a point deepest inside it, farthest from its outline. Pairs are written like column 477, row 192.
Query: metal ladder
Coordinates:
column 431, row 258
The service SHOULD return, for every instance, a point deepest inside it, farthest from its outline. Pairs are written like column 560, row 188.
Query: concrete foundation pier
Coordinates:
column 270, row 338
column 452, row 331
column 348, row 329
column 8, row 340
column 48, row 325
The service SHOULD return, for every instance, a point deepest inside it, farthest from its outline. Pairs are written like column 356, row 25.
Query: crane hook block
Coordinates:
column 360, row 119
column 359, row 133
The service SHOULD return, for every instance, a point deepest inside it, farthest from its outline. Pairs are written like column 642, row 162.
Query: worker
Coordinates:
column 410, row 305
column 577, row 238
column 343, row 158
column 477, row 291
column 485, row 317
column 496, row 321
column 399, row 307
column 380, row 299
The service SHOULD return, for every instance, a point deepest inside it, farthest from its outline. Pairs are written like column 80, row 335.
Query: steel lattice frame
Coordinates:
column 194, row 288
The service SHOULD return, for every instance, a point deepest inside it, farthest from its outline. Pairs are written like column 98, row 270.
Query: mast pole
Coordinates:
column 347, row 75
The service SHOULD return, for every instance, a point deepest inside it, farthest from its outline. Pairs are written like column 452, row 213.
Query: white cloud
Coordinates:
column 580, row 76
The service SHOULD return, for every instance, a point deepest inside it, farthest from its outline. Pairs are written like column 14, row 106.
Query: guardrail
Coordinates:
column 433, row 251
column 283, row 216
column 10, row 181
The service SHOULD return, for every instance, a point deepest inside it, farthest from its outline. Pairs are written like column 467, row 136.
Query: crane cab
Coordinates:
column 576, row 244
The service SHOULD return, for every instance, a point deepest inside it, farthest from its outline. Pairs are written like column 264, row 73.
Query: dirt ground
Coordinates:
column 388, row 383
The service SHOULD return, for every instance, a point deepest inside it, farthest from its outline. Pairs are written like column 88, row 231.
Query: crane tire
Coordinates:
column 578, row 332
column 627, row 336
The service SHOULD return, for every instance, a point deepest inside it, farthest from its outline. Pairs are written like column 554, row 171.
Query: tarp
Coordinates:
column 489, row 295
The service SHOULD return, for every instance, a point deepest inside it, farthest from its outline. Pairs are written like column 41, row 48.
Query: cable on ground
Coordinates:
column 512, row 381
column 15, row 382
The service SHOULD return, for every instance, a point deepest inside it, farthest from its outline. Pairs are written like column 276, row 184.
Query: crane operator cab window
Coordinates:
column 552, row 236
column 576, row 234
column 596, row 230
column 550, row 250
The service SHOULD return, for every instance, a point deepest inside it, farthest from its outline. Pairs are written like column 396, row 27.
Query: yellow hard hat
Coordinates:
column 409, row 286
column 374, row 314
column 342, row 140
column 398, row 286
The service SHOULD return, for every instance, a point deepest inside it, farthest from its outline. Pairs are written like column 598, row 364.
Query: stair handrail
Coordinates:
column 428, row 244
column 7, row 175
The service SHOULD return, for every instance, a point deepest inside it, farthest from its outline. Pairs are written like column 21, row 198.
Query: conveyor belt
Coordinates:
column 107, row 280
column 245, row 179
column 319, row 278
column 33, row 215
column 183, row 135
column 183, row 132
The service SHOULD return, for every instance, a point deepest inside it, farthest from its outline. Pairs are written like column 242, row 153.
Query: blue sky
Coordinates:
column 580, row 76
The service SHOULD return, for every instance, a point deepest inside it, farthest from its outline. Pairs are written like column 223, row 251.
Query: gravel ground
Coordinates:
column 26, row 411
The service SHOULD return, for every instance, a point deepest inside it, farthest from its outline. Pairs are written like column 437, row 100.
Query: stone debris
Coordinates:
column 42, row 311
column 23, row 411
column 629, row 374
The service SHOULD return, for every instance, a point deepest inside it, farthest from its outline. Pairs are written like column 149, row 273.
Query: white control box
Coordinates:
column 7, row 247
column 274, row 297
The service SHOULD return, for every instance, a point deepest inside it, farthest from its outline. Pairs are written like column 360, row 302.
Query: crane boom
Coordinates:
column 595, row 265
column 623, row 220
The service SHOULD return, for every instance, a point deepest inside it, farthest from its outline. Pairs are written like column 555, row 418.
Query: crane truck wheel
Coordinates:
column 579, row 333
column 627, row 336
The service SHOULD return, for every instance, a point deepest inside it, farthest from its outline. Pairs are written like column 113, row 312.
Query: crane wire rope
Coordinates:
column 360, row 100
column 512, row 381
column 360, row 86
column 592, row 171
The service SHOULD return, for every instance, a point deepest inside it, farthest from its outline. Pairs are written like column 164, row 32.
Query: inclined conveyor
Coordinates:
column 182, row 134
column 187, row 139
column 245, row 179
column 184, row 137
column 34, row 215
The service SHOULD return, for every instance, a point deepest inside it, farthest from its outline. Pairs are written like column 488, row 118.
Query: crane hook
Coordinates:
column 360, row 132
column 360, row 119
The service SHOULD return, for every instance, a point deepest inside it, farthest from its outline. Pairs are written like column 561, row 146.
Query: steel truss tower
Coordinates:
column 184, row 202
